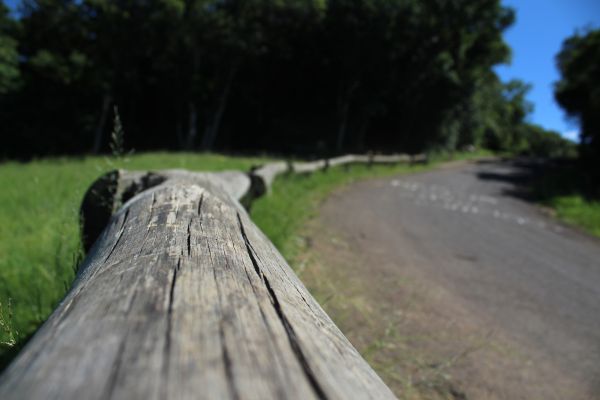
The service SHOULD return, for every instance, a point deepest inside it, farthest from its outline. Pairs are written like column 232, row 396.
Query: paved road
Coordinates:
column 469, row 229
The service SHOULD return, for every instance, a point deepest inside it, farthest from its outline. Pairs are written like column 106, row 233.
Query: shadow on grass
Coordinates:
column 9, row 354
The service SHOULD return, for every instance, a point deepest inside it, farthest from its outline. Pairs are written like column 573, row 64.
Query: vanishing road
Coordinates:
column 469, row 231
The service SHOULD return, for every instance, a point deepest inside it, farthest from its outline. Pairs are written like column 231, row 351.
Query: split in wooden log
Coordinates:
column 183, row 297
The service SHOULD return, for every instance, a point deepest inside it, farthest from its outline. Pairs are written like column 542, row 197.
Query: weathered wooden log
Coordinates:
column 309, row 167
column 108, row 193
column 343, row 160
column 419, row 158
column 263, row 177
column 183, row 297
column 390, row 159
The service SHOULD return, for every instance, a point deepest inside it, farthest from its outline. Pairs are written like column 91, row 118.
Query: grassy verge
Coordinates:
column 576, row 210
column 563, row 190
column 39, row 230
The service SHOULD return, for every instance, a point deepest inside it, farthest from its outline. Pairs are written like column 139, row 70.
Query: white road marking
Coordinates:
column 465, row 203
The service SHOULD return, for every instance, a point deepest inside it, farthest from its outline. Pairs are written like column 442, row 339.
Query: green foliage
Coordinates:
column 579, row 211
column 578, row 92
column 542, row 143
column 570, row 193
column 294, row 76
column 9, row 67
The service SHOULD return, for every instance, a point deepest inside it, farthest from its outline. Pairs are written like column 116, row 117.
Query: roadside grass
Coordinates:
column 576, row 210
column 563, row 189
column 39, row 229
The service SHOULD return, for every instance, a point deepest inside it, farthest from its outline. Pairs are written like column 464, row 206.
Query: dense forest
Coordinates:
column 305, row 77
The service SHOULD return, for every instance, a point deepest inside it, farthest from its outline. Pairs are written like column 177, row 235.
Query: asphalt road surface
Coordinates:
column 470, row 230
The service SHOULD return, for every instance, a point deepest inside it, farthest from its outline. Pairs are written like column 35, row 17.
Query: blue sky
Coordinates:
column 535, row 38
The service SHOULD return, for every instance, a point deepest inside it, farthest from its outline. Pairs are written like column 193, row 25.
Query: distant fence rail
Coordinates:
column 182, row 296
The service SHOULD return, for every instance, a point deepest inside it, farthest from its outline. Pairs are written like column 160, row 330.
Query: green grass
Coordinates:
column 570, row 194
column 576, row 210
column 39, row 229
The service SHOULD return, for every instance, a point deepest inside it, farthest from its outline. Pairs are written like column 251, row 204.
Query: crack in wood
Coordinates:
column 167, row 348
column 200, row 206
column 227, row 363
column 289, row 329
column 189, row 238
column 116, row 368
column 120, row 235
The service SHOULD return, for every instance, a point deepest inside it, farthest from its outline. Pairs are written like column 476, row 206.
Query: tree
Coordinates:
column 578, row 92
column 301, row 76
column 544, row 143
column 9, row 58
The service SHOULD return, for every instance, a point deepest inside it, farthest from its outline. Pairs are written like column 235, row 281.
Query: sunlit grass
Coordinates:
column 578, row 211
column 566, row 190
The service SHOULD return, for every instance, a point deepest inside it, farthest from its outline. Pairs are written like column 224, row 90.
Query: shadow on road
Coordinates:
column 521, row 176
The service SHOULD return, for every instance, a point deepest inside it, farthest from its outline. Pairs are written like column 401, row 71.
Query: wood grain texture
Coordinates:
column 183, row 297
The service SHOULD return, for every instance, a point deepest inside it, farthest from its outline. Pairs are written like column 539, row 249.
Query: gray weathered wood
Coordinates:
column 309, row 167
column 265, row 175
column 419, row 158
column 390, row 159
column 113, row 189
column 183, row 297
column 343, row 160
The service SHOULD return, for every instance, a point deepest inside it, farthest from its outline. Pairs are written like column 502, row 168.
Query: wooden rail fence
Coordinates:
column 182, row 296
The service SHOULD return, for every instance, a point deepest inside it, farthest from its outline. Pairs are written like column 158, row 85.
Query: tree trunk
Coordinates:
column 100, row 127
column 192, row 126
column 361, row 132
column 214, row 120
column 344, row 101
column 343, row 126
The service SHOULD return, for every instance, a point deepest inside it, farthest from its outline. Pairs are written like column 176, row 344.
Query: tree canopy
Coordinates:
column 287, row 76
column 578, row 92
column 9, row 68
